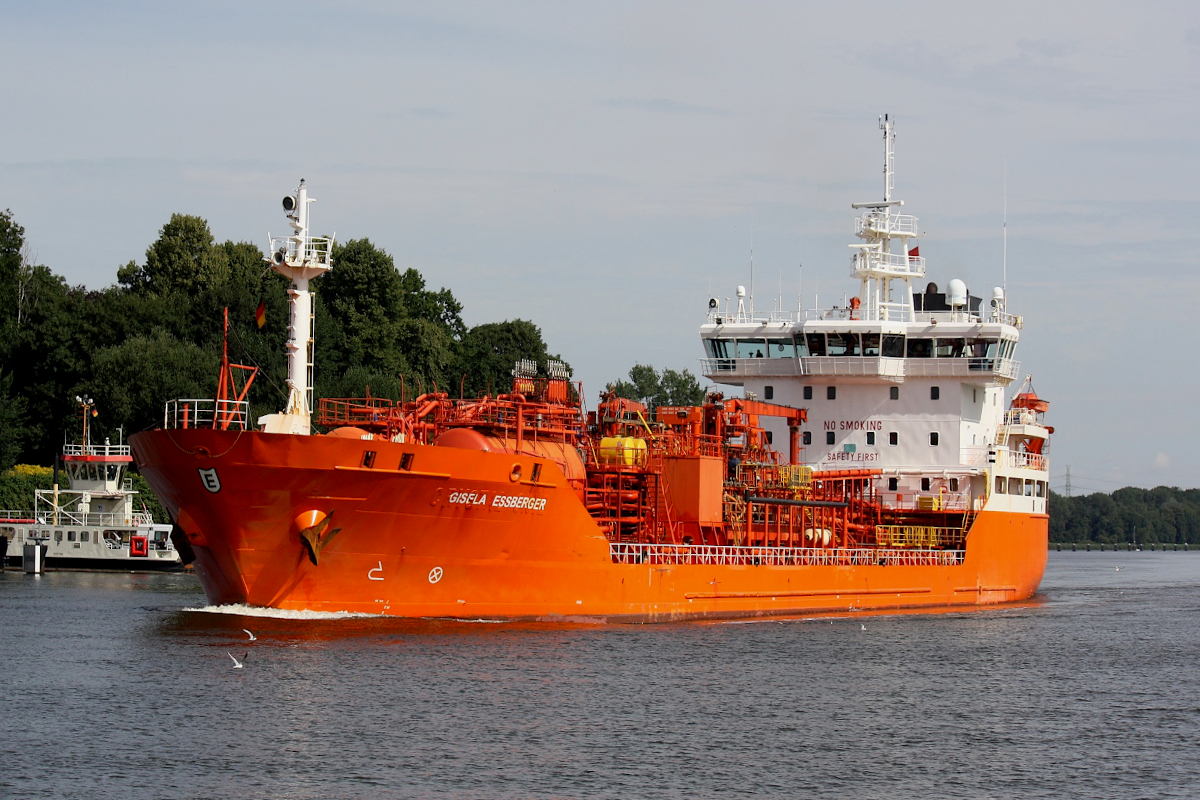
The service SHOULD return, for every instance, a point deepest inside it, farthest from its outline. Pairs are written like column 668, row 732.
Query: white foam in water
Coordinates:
column 242, row 610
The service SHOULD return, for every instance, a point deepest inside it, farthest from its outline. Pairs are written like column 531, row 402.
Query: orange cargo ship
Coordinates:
column 526, row 506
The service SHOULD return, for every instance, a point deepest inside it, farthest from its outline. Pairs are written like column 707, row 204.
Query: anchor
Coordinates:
column 314, row 537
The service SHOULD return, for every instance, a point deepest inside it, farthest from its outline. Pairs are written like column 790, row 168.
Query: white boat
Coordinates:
column 92, row 524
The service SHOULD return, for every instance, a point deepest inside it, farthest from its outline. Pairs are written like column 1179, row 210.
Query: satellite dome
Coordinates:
column 956, row 293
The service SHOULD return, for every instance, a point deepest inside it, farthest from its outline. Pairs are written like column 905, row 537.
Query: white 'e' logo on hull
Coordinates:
column 210, row 480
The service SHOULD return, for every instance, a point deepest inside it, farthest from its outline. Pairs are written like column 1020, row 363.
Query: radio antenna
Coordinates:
column 1004, row 276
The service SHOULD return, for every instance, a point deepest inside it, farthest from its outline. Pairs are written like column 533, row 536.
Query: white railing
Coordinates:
column 96, row 450
column 948, row 367
column 853, row 365
column 720, row 555
column 1019, row 460
column 1021, row 416
column 883, row 224
column 205, row 413
column 749, row 367
column 1004, row 318
column 99, row 519
column 16, row 515
column 314, row 251
column 877, row 262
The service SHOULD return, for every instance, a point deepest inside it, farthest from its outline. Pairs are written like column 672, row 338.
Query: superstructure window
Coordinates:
column 780, row 348
column 920, row 348
column 870, row 345
column 935, row 393
column 770, row 437
column 751, row 348
column 951, row 348
column 924, row 484
column 1001, row 485
column 933, row 438
column 1015, row 485
column 801, row 345
column 769, row 392
column 870, row 437
column 893, row 392
column 816, row 344
column 893, row 484
column 1041, row 489
column 954, row 484
column 808, row 393
column 893, row 438
column 893, row 346
column 843, row 344
column 828, row 437
column 70, row 536
column 807, row 437
column 831, row 393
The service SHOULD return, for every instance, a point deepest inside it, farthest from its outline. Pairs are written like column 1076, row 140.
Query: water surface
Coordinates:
column 115, row 689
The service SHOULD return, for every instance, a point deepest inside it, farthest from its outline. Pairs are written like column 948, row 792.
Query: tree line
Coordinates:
column 1162, row 515
column 157, row 334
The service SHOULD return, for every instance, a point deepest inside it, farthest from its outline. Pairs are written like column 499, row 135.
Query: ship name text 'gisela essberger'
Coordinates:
column 902, row 478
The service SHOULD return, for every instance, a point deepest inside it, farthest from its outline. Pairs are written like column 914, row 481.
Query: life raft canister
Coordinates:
column 139, row 546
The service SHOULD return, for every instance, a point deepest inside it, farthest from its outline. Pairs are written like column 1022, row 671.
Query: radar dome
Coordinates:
column 956, row 293
column 741, row 291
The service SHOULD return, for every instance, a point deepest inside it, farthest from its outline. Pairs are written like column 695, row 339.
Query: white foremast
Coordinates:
column 300, row 258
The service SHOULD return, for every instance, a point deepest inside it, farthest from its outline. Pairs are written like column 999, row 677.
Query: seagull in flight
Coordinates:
column 864, row 627
column 237, row 664
column 1118, row 569
column 253, row 638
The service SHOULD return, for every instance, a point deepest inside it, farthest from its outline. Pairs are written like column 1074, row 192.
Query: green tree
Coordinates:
column 670, row 388
column 489, row 352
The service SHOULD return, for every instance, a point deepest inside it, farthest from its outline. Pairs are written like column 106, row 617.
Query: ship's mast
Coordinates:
column 300, row 258
column 876, row 263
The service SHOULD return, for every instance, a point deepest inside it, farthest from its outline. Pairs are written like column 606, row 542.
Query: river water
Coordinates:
column 117, row 686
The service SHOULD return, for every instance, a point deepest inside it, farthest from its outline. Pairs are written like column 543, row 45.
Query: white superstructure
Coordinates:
column 904, row 378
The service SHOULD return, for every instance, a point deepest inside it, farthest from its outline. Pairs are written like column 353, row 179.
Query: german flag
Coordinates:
column 260, row 316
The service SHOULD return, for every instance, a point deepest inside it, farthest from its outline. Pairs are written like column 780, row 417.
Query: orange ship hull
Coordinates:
column 457, row 533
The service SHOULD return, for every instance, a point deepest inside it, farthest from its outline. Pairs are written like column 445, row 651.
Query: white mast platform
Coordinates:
column 300, row 258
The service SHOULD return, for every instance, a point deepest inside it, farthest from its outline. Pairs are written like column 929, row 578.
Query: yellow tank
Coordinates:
column 627, row 451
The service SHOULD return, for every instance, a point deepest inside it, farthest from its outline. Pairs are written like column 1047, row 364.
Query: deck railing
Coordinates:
column 722, row 555
column 206, row 413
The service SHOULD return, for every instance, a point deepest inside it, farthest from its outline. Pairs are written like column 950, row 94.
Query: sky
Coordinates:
column 602, row 168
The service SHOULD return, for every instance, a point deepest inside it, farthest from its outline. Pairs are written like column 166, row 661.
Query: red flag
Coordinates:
column 914, row 253
column 260, row 316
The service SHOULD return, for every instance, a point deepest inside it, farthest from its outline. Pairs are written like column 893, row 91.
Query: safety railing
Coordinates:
column 96, row 450
column 853, row 365
column 749, row 367
column 206, row 413
column 313, row 251
column 917, row 536
column 869, row 261
column 883, row 224
column 735, row 556
column 1019, row 460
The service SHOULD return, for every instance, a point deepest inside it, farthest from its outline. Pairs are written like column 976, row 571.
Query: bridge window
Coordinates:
column 843, row 344
column 751, row 348
column 780, row 348
column 1001, row 485
column 1015, row 485
column 816, row 344
column 718, row 348
column 920, row 348
column 1041, row 489
column 801, row 345
column 828, row 437
column 951, row 348
column 893, row 347
column 870, row 345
